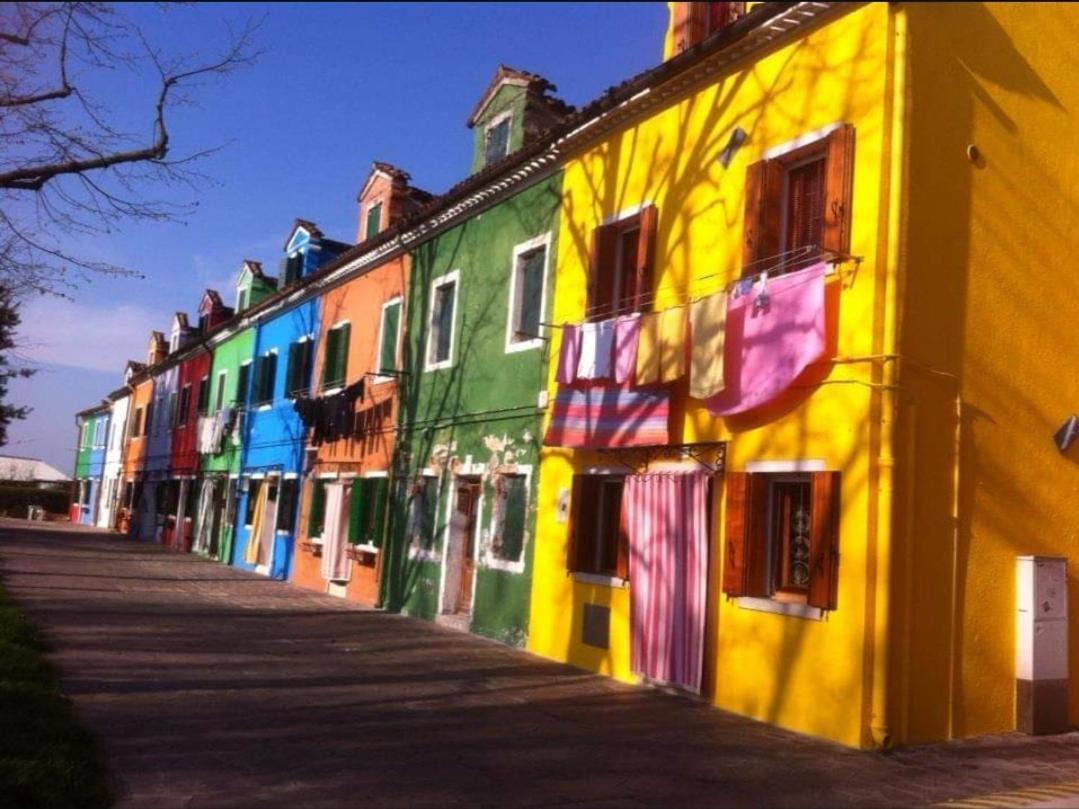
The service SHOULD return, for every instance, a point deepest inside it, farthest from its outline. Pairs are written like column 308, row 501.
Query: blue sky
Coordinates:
column 338, row 86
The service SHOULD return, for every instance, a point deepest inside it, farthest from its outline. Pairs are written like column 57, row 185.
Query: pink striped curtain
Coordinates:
column 665, row 516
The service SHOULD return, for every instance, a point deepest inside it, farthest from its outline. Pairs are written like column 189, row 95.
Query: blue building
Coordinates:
column 273, row 435
column 93, row 424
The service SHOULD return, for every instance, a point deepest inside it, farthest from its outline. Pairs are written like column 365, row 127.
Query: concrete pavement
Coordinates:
column 211, row 687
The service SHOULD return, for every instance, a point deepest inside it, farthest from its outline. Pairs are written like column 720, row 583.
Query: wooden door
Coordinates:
column 464, row 529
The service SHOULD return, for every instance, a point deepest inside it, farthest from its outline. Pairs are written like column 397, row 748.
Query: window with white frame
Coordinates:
column 335, row 356
column 527, row 295
column 423, row 512
column 220, row 401
column 497, row 139
column 441, row 321
column 510, row 509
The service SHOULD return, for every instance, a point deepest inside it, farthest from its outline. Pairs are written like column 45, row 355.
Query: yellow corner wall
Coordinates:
column 989, row 340
column 810, row 676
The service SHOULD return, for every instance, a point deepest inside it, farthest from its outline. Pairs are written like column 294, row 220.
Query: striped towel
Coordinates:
column 609, row 417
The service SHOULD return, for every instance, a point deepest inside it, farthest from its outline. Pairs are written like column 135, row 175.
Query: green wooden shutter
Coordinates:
column 374, row 220
column 329, row 357
column 306, row 365
column 357, row 505
column 513, row 517
column 316, row 515
column 377, row 492
column 391, row 319
column 341, row 361
column 295, row 359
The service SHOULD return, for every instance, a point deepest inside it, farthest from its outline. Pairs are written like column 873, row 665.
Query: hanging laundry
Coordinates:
column 627, row 335
column 708, row 330
column 767, row 348
column 672, row 344
column 648, row 351
column 569, row 355
column 596, row 348
column 609, row 417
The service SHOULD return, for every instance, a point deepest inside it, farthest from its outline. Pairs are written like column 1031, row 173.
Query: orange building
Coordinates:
column 138, row 422
column 346, row 480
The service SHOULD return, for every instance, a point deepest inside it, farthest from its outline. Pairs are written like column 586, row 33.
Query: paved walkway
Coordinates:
column 211, row 687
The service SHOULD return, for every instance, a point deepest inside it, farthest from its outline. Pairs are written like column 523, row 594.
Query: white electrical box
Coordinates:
column 1041, row 653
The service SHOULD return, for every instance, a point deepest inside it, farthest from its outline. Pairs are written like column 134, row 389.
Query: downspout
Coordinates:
column 894, row 151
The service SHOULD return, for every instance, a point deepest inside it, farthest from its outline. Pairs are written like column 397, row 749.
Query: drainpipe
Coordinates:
column 887, row 397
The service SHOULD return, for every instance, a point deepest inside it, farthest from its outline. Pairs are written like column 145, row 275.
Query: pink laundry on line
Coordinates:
column 768, row 346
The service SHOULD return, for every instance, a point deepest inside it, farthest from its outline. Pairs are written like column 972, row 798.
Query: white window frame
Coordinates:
column 306, row 338
column 488, row 558
column 494, row 122
column 519, row 250
column 269, row 405
column 452, row 277
column 326, row 345
column 376, row 378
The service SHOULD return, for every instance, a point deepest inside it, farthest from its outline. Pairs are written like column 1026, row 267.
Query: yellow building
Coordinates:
column 862, row 524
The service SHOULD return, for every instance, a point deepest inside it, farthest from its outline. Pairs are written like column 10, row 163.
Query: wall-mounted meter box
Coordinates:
column 1041, row 652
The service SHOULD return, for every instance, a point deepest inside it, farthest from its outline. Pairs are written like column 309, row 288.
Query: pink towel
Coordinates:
column 604, row 416
column 768, row 346
column 627, row 334
column 570, row 355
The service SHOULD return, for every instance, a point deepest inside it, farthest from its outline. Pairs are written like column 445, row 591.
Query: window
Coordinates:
column 621, row 276
column 440, row 324
column 800, row 198
column 99, row 433
column 147, row 421
column 374, row 220
column 526, row 295
column 286, row 505
column 316, row 515
column 783, row 537
column 220, row 401
column 335, row 362
column 136, row 423
column 173, row 412
column 243, row 383
column 252, row 498
column 367, row 511
column 241, row 300
column 389, row 334
column 510, row 505
column 497, row 140
column 695, row 22
column 291, row 268
column 599, row 544
column 300, row 357
column 265, row 374
column 204, row 396
column 422, row 512
column 185, row 404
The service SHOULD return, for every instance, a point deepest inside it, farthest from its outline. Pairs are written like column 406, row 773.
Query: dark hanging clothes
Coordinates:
column 330, row 418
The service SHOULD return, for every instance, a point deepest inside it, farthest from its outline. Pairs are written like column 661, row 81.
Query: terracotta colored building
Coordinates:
column 361, row 328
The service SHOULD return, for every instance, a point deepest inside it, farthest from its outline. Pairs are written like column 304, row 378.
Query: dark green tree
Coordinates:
column 9, row 322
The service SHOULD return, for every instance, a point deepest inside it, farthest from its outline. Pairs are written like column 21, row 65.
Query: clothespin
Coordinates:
column 761, row 301
column 743, row 287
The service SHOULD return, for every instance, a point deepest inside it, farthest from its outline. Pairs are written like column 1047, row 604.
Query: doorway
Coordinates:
column 461, row 552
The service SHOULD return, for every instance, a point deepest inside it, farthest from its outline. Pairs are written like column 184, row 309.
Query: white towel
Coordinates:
column 597, row 346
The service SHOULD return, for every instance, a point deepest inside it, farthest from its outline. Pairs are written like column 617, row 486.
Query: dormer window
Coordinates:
column 374, row 220
column 292, row 268
column 497, row 134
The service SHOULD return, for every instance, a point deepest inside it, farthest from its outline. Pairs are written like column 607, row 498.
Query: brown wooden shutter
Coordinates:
column 734, row 568
column 621, row 569
column 646, row 258
column 601, row 272
column 575, row 542
column 764, row 203
column 839, row 188
column 824, row 541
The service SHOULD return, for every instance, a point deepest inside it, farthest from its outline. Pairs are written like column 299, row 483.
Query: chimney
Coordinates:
column 692, row 23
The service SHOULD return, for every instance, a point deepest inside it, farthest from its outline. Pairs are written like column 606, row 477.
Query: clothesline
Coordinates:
column 788, row 262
